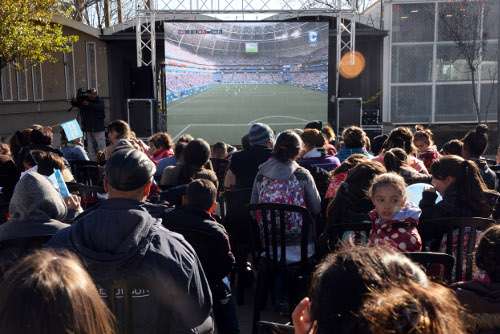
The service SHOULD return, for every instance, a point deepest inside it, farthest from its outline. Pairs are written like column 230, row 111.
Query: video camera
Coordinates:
column 82, row 95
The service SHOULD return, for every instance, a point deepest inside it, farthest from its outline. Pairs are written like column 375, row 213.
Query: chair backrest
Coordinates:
column 460, row 224
column 87, row 193
column 278, row 210
column 85, row 172
column 428, row 260
column 120, row 302
column 339, row 230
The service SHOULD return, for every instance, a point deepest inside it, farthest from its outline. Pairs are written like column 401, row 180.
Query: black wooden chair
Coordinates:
column 267, row 327
column 431, row 262
column 85, row 172
column 460, row 224
column 89, row 194
column 272, row 264
column 120, row 294
column 359, row 233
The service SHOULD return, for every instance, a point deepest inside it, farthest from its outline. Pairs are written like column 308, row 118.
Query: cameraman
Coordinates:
column 92, row 113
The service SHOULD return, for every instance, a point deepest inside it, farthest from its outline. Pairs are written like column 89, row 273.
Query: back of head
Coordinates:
column 161, row 140
column 399, row 137
column 312, row 138
column 488, row 253
column 412, row 308
column 260, row 134
column 4, row 149
column 128, row 170
column 343, row 280
column 121, row 127
column 42, row 136
column 245, row 142
column 288, row 146
column 219, row 150
column 36, row 200
column 475, row 142
column 197, row 152
column 51, row 293
column 47, row 162
column 354, row 137
column 185, row 138
column 201, row 193
column 453, row 147
column 394, row 159
column 179, row 150
column 317, row 125
column 18, row 140
column 377, row 143
column 350, row 162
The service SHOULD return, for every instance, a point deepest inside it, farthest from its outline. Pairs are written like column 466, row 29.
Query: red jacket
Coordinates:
column 429, row 156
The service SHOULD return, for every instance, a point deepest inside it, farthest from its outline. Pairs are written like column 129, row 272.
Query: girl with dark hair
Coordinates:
column 396, row 160
column 282, row 180
column 329, row 134
column 49, row 292
column 120, row 135
column 352, row 203
column 475, row 143
column 314, row 151
column 453, row 147
column 18, row 140
column 195, row 165
column 375, row 290
column 402, row 137
column 464, row 195
column 340, row 173
column 427, row 151
column 355, row 141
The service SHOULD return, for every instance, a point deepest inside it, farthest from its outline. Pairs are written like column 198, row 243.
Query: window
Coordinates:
column 69, row 74
column 22, row 84
column 91, row 65
column 6, row 84
column 36, row 74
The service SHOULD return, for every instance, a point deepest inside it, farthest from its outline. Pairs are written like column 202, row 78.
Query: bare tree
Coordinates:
column 464, row 23
column 91, row 12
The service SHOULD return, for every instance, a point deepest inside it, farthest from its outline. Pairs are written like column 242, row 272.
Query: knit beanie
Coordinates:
column 260, row 133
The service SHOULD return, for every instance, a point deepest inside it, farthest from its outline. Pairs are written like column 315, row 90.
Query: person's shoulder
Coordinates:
column 171, row 247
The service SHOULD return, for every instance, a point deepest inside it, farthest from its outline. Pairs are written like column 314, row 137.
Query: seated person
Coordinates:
column 173, row 160
column 464, row 195
column 196, row 158
column 375, row 290
column 49, row 292
column 72, row 149
column 219, row 150
column 338, row 175
column 160, row 146
column 354, row 142
column 120, row 135
column 211, row 243
column 481, row 299
column 37, row 211
column 8, row 172
column 352, row 203
column 427, row 151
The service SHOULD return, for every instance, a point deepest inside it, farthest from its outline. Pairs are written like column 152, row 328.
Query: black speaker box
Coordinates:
column 142, row 83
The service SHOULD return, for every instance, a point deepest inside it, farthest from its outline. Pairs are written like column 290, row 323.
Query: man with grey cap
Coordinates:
column 245, row 164
column 120, row 239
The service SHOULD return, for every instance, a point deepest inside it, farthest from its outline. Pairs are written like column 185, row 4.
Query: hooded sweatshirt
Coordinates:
column 399, row 232
column 37, row 210
column 120, row 239
column 346, row 152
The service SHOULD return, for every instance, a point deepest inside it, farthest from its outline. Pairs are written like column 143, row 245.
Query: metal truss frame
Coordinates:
column 146, row 11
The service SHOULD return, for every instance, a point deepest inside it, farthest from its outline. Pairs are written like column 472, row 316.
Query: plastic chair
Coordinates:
column 359, row 234
column 428, row 260
column 272, row 264
column 267, row 327
column 85, row 172
column 473, row 224
column 120, row 302
column 87, row 193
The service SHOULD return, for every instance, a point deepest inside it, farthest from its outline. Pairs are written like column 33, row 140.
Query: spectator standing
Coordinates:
column 92, row 117
column 120, row 238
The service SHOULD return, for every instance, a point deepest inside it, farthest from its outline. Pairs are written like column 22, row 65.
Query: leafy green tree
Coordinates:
column 27, row 33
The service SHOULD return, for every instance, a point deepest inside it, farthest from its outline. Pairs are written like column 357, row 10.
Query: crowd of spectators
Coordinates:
column 158, row 220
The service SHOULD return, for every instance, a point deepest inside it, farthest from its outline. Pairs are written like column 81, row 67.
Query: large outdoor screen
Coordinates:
column 221, row 77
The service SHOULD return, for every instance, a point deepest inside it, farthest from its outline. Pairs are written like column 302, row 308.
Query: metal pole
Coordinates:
column 498, row 78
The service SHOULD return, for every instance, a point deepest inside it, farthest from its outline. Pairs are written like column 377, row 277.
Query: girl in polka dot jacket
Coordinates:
column 394, row 220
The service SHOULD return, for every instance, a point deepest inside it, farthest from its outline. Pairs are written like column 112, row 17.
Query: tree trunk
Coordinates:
column 474, row 94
